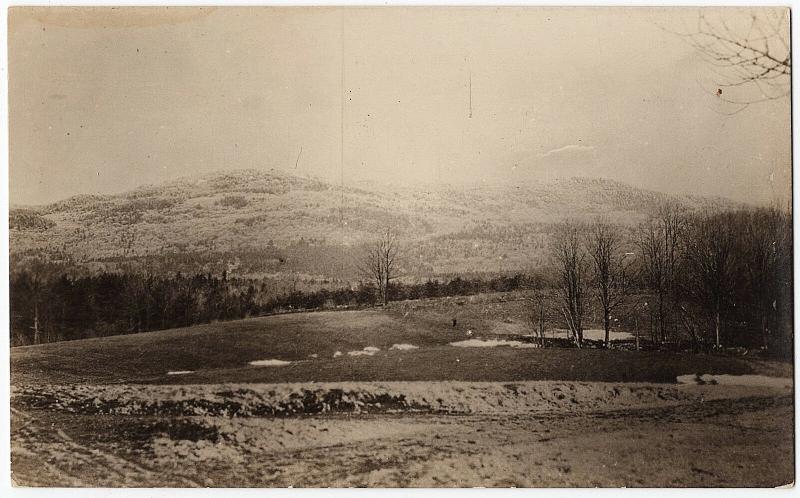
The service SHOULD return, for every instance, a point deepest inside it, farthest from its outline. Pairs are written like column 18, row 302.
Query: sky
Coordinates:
column 105, row 100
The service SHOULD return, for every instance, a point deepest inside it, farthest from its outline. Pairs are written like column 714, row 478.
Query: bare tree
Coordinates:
column 710, row 247
column 747, row 49
column 610, row 270
column 570, row 260
column 38, row 276
column 672, row 220
column 659, row 242
column 381, row 262
column 537, row 315
column 36, row 285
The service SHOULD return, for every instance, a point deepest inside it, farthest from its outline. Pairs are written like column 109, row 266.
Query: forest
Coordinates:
column 57, row 307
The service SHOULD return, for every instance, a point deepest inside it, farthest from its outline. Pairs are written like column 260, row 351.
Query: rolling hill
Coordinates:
column 274, row 224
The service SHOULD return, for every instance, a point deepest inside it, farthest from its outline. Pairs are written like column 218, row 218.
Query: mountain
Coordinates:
column 274, row 224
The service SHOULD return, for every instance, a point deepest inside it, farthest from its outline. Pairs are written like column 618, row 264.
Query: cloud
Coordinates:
column 567, row 149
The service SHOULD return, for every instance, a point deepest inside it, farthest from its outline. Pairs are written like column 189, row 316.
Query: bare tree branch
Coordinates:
column 746, row 49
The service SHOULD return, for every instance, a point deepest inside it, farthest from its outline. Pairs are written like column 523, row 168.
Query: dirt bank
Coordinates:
column 266, row 400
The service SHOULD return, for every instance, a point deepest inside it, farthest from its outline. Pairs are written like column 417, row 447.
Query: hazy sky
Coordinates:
column 105, row 100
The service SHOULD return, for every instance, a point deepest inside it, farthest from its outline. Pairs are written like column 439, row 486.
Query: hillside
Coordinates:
column 274, row 224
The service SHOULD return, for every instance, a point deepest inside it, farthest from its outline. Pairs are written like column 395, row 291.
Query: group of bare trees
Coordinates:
column 767, row 235
column 702, row 277
column 572, row 268
column 590, row 256
column 658, row 241
column 611, row 271
column 709, row 252
column 695, row 274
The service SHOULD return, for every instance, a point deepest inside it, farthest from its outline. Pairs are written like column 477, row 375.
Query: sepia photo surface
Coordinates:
column 400, row 247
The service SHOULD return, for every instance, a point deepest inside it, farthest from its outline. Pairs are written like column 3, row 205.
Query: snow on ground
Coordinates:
column 240, row 435
column 367, row 351
column 269, row 363
column 337, row 354
column 736, row 380
column 614, row 335
column 402, row 347
column 593, row 334
column 179, row 372
column 492, row 343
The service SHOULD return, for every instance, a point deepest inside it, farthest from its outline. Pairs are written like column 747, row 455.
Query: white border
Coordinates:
column 5, row 484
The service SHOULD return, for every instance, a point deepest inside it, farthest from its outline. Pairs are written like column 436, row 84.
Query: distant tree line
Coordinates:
column 681, row 278
column 49, row 305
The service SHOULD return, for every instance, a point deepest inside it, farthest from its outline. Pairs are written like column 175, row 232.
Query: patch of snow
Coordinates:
column 596, row 334
column 613, row 335
column 179, row 372
column 269, row 363
column 492, row 343
column 736, row 380
column 367, row 351
column 403, row 347
column 315, row 355
column 337, row 354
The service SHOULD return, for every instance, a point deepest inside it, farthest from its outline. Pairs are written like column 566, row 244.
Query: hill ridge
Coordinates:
column 299, row 225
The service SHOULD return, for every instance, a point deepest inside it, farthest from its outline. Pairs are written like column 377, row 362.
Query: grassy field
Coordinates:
column 221, row 352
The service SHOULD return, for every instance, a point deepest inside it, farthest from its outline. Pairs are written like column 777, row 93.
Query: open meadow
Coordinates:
column 383, row 397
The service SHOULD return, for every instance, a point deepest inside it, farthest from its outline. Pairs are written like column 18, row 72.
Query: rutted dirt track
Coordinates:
column 403, row 434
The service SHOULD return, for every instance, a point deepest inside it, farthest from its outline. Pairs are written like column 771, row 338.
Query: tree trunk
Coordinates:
column 541, row 324
column 36, row 338
column 716, row 326
column 661, row 332
column 606, row 327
